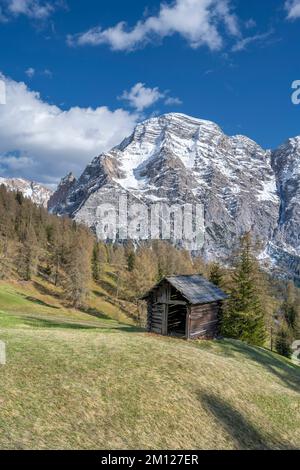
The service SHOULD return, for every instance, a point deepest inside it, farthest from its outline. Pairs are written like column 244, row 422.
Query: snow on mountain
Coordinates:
column 180, row 159
column 38, row 193
column 286, row 247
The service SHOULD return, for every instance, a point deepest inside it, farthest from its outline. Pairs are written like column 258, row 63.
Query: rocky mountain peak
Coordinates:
column 176, row 158
column 57, row 200
column 37, row 192
column 68, row 179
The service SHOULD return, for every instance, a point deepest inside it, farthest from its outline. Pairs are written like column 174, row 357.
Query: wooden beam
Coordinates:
column 165, row 321
column 188, row 322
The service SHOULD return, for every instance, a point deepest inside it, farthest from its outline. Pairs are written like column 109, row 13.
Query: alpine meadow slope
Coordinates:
column 80, row 383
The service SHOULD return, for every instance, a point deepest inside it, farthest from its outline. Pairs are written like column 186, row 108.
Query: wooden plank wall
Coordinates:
column 204, row 320
column 158, row 310
column 156, row 314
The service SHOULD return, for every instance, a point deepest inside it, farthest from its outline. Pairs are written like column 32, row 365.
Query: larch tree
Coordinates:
column 28, row 254
column 96, row 268
column 78, row 269
column 131, row 260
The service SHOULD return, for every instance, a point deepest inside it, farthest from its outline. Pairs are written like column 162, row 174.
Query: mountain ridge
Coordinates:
column 179, row 159
column 37, row 192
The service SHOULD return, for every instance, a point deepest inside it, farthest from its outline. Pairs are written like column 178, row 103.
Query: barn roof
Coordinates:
column 196, row 289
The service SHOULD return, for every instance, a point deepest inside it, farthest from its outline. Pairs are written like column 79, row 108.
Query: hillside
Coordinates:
column 39, row 300
column 76, row 379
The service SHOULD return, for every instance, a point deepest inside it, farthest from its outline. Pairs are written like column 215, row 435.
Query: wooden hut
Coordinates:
column 185, row 306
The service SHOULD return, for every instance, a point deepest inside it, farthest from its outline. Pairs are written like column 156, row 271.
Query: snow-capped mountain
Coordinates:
column 180, row 159
column 38, row 193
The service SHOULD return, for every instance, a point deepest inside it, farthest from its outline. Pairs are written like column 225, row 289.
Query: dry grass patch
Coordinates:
column 75, row 388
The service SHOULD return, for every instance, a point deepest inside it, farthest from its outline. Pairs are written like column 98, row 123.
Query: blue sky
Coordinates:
column 229, row 61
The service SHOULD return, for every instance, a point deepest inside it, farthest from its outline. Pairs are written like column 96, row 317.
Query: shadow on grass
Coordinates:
column 99, row 294
column 46, row 291
column 287, row 372
column 95, row 313
column 244, row 434
column 115, row 325
column 43, row 323
column 111, row 289
column 39, row 302
column 116, row 303
column 109, row 300
column 46, row 323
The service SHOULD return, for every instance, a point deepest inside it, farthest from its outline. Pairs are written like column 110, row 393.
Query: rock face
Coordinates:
column 178, row 159
column 285, row 247
column 38, row 193
column 57, row 200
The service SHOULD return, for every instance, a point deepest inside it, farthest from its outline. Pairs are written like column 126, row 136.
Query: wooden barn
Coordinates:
column 184, row 306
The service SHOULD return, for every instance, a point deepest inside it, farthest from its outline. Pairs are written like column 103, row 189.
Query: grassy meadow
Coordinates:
column 91, row 380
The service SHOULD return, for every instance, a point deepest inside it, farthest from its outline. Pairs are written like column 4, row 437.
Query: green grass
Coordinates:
column 40, row 300
column 76, row 381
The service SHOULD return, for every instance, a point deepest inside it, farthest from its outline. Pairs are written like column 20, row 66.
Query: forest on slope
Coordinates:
column 67, row 255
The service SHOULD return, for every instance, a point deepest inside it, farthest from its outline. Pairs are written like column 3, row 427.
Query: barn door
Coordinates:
column 177, row 320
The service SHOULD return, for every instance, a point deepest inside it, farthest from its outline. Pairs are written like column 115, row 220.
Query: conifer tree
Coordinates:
column 243, row 318
column 289, row 310
column 283, row 341
column 216, row 275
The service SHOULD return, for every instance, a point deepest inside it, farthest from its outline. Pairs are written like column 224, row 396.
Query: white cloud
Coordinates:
column 141, row 97
column 32, row 8
column 172, row 101
column 242, row 44
column 15, row 163
column 44, row 142
column 293, row 9
column 199, row 22
column 30, row 72
column 35, row 9
column 47, row 73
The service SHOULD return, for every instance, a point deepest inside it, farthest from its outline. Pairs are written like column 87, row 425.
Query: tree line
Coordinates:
column 33, row 243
